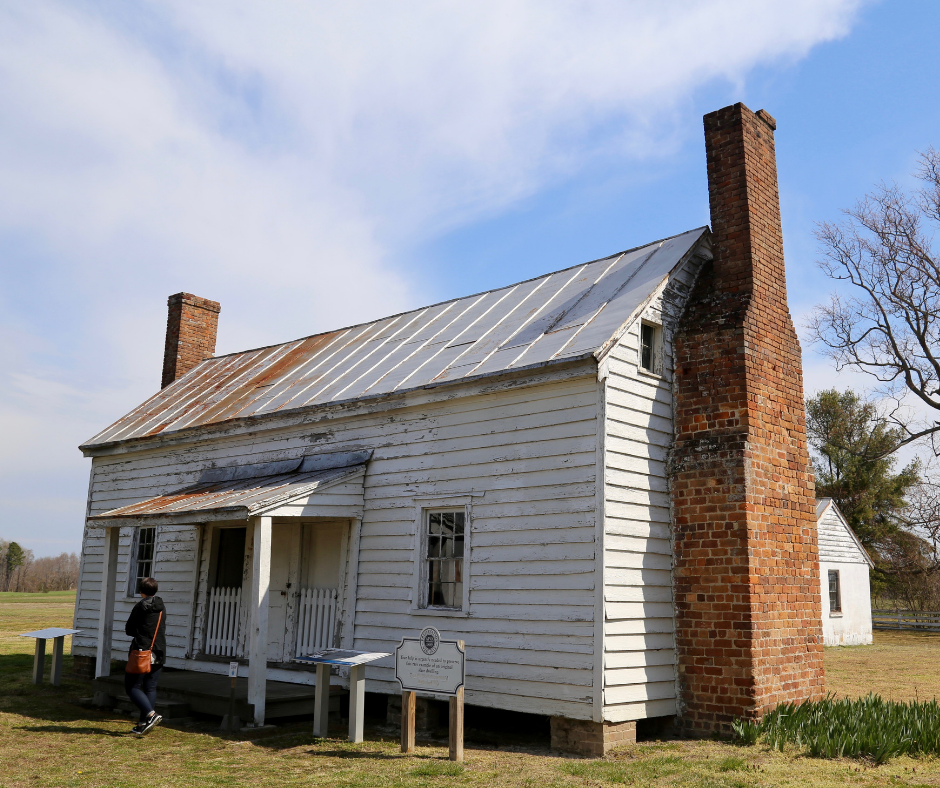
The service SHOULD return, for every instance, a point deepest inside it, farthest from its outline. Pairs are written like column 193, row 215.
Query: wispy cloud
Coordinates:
column 280, row 156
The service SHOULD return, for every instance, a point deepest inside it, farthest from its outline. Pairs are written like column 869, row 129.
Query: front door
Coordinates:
column 282, row 537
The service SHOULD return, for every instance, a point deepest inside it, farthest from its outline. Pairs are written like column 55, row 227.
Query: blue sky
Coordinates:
column 312, row 165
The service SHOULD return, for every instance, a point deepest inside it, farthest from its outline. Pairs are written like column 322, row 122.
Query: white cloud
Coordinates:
column 278, row 156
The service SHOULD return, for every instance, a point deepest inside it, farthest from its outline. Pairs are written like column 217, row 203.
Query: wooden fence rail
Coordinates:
column 905, row 619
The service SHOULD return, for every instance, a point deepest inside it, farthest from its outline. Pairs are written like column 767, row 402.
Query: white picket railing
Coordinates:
column 222, row 631
column 316, row 620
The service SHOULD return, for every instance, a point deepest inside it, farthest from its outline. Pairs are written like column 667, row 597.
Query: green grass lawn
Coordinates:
column 46, row 739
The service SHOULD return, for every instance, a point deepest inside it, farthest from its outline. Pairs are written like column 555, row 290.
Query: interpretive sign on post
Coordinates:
column 432, row 665
column 428, row 664
column 356, row 662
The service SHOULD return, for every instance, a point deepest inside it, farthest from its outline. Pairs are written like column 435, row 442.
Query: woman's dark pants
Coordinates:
column 141, row 688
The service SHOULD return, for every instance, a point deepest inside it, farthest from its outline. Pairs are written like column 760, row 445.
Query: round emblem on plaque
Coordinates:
column 430, row 639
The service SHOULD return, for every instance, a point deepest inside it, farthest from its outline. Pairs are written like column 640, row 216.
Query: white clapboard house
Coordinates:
column 843, row 572
column 492, row 465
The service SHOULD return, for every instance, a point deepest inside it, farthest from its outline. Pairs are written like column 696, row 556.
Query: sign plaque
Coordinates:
column 428, row 664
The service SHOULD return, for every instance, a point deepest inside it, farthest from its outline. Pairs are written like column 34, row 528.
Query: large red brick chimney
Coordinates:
column 746, row 576
column 191, row 326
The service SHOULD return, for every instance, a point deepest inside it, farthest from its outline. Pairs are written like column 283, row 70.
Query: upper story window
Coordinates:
column 444, row 555
column 835, row 592
column 651, row 348
column 142, row 552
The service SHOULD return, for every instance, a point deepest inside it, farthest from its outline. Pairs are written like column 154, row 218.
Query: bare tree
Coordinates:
column 890, row 327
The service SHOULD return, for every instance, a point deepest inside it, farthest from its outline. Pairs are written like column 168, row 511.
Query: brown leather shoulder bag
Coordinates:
column 140, row 660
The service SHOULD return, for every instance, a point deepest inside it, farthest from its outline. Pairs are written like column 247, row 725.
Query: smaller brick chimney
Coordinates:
column 191, row 327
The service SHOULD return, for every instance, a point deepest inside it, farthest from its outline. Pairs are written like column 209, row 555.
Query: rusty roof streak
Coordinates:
column 200, row 406
column 299, row 375
column 253, row 494
column 276, row 369
column 382, row 342
column 547, row 319
column 352, row 341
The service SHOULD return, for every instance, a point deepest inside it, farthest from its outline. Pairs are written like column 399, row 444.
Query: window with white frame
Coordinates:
column 650, row 350
column 444, row 558
column 835, row 592
column 142, row 552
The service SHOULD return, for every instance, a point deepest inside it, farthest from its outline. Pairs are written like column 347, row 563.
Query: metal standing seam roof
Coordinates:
column 237, row 499
column 557, row 317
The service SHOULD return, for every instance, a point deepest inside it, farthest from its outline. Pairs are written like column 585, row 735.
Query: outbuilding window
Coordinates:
column 444, row 554
column 835, row 592
column 145, row 540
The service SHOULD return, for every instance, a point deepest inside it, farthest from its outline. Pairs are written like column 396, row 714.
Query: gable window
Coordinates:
column 835, row 592
column 444, row 555
column 650, row 348
column 145, row 540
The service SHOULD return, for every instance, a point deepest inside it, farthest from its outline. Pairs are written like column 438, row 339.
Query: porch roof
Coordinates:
column 233, row 499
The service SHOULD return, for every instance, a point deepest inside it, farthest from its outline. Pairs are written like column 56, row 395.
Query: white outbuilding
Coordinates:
column 843, row 570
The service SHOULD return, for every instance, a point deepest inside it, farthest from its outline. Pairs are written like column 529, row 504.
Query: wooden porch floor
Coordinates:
column 208, row 693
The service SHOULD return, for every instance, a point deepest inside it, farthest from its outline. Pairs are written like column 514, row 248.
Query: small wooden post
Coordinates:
column 357, row 697
column 456, row 722
column 57, row 647
column 321, row 702
column 408, row 704
column 39, row 660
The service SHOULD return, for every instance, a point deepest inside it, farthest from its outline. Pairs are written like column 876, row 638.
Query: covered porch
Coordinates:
column 274, row 576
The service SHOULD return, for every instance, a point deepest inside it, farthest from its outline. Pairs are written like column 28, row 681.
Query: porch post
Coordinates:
column 106, row 611
column 258, row 633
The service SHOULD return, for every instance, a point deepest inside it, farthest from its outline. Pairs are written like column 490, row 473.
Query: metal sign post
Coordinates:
column 429, row 664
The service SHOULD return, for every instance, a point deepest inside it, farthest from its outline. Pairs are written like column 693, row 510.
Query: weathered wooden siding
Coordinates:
column 836, row 544
column 527, row 455
column 639, row 649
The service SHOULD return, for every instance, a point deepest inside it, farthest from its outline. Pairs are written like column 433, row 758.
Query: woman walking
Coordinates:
column 147, row 628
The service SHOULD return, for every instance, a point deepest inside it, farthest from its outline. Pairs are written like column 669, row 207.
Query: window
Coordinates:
column 650, row 348
column 145, row 540
column 444, row 540
column 835, row 592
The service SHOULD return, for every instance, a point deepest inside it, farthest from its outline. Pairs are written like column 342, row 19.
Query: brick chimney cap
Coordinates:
column 765, row 116
column 193, row 300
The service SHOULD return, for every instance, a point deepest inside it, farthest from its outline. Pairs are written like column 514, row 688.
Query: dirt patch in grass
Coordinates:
column 898, row 666
column 46, row 739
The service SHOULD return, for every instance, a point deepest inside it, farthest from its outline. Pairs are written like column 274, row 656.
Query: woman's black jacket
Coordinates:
column 141, row 623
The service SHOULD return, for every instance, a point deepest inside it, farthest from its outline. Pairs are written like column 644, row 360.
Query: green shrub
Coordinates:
column 868, row 727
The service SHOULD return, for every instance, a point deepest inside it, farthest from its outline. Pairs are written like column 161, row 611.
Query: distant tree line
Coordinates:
column 21, row 571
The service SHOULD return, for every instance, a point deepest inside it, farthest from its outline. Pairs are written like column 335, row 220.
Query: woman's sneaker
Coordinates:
column 149, row 725
column 138, row 729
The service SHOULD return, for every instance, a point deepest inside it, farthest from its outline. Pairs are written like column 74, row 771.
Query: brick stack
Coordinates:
column 191, row 327
column 594, row 739
column 747, row 593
